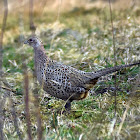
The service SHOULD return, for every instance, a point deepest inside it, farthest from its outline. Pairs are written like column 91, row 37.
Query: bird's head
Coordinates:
column 33, row 41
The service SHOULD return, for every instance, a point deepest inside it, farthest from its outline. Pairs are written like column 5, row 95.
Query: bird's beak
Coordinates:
column 25, row 42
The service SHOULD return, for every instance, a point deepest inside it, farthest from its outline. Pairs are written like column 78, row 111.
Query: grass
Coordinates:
column 83, row 39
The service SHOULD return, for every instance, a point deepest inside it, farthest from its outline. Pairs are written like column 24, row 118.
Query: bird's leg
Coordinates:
column 68, row 105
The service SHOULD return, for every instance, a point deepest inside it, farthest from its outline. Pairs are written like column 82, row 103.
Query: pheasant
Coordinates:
column 61, row 81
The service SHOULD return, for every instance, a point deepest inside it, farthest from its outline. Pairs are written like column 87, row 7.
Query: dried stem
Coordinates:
column 8, row 89
column 13, row 111
column 38, row 115
column 32, row 26
column 1, row 61
column 1, row 119
column 115, row 62
column 128, row 104
column 2, row 33
column 26, row 99
column 59, row 9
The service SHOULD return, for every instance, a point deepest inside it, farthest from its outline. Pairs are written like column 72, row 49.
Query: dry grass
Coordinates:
column 82, row 38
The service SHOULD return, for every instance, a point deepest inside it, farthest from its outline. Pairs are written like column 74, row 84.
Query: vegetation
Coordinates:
column 81, row 38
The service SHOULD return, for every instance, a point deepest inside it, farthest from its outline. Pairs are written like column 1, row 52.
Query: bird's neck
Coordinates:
column 40, row 58
column 40, row 52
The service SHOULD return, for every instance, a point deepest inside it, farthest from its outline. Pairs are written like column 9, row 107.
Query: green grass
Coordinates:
column 83, row 39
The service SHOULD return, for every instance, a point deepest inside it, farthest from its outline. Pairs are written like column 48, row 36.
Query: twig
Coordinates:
column 115, row 62
column 1, row 61
column 1, row 119
column 26, row 99
column 32, row 26
column 13, row 112
column 38, row 116
column 59, row 9
column 2, row 32
column 8, row 89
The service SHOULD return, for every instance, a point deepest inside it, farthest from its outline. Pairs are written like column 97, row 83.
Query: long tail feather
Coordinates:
column 106, row 71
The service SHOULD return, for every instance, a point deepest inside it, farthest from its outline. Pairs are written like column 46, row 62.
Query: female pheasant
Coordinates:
column 61, row 81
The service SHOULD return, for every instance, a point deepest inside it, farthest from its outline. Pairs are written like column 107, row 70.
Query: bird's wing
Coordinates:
column 58, row 90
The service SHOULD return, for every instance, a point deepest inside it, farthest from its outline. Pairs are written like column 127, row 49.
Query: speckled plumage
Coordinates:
column 63, row 81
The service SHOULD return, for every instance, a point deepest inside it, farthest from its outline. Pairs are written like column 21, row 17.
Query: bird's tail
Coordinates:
column 106, row 71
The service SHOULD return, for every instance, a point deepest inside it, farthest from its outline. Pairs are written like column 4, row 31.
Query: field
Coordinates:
column 78, row 35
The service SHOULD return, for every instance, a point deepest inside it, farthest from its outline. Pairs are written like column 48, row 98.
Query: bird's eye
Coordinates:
column 30, row 40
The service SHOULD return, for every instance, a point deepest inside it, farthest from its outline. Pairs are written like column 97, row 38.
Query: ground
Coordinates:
column 80, row 37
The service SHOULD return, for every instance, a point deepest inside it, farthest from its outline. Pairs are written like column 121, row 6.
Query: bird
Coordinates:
column 62, row 81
